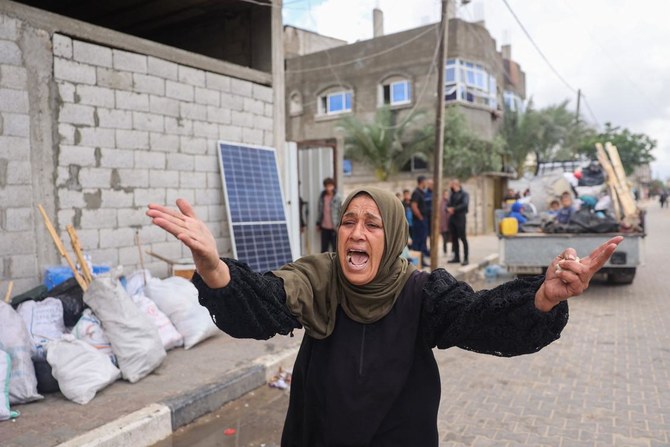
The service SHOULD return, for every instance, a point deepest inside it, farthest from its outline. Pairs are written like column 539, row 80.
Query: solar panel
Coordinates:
column 255, row 205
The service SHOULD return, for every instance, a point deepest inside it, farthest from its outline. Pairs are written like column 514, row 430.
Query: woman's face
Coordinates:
column 360, row 240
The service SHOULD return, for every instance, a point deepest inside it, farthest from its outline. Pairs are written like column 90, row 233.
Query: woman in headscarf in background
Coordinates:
column 365, row 374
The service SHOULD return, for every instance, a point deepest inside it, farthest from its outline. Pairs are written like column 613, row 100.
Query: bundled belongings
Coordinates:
column 81, row 370
column 584, row 220
column 592, row 175
column 44, row 321
column 89, row 329
column 16, row 341
column 134, row 338
column 5, row 372
column 178, row 299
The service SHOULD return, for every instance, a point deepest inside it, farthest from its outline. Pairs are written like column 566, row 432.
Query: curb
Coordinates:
column 469, row 272
column 156, row 422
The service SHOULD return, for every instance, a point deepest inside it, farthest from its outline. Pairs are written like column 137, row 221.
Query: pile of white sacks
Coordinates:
column 124, row 333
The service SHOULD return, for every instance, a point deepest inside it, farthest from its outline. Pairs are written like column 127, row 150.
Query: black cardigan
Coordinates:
column 378, row 384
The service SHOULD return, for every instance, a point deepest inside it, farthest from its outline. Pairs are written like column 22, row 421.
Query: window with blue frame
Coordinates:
column 335, row 103
column 396, row 93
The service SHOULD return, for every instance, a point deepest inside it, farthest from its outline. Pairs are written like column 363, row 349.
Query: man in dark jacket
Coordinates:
column 420, row 217
column 458, row 209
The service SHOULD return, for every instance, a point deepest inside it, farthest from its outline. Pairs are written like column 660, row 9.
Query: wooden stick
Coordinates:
column 8, row 295
column 139, row 248
column 162, row 258
column 61, row 248
column 76, row 247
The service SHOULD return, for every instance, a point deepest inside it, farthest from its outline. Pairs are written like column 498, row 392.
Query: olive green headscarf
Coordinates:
column 315, row 285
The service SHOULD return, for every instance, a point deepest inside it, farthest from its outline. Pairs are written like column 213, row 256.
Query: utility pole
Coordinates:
column 579, row 100
column 439, row 138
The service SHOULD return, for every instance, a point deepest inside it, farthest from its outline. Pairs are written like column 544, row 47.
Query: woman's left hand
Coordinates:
column 569, row 276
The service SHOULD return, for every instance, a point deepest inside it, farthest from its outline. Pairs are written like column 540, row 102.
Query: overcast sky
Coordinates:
column 616, row 51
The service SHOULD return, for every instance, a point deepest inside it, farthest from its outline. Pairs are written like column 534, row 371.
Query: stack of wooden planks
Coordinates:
column 625, row 207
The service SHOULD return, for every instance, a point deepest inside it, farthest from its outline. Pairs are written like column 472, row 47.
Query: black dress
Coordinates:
column 378, row 384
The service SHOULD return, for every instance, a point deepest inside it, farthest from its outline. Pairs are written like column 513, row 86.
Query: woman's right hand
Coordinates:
column 192, row 232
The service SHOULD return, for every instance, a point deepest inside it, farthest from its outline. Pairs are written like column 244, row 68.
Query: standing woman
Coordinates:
column 365, row 374
column 444, row 220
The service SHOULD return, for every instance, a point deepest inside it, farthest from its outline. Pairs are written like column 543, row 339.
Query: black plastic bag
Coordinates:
column 592, row 223
column 71, row 294
column 46, row 383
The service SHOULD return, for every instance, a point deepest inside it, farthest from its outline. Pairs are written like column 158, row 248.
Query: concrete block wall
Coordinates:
column 135, row 129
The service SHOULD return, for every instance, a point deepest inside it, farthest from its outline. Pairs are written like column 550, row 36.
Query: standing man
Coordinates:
column 428, row 198
column 419, row 217
column 458, row 209
column 329, row 214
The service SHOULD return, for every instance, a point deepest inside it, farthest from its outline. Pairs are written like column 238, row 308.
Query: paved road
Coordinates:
column 606, row 382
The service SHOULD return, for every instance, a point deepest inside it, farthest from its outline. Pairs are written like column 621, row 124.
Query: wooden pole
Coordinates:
column 61, row 248
column 76, row 247
column 8, row 295
column 439, row 138
column 139, row 249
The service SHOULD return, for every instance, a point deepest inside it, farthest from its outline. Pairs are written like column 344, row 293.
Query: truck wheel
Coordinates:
column 622, row 276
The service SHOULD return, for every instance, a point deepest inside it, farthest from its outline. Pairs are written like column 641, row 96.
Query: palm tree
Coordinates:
column 381, row 144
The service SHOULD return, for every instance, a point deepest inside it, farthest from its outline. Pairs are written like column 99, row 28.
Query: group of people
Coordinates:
column 453, row 210
column 562, row 209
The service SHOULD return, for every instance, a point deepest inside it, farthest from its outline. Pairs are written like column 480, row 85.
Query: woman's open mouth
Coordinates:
column 357, row 259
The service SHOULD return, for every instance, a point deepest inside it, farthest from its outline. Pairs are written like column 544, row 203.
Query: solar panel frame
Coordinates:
column 250, row 221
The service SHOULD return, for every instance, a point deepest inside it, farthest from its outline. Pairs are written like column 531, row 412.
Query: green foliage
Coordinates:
column 635, row 149
column 382, row 144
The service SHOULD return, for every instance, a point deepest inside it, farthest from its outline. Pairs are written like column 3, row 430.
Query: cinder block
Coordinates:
column 10, row 53
column 169, row 249
column 264, row 123
column 95, row 137
column 206, row 163
column 217, row 81
column 67, row 70
column 117, row 158
column 207, row 97
column 62, row 46
column 19, row 173
column 193, row 180
column 269, row 110
column 268, row 138
column 115, row 119
column 242, row 119
column 70, row 199
column 151, row 233
column 191, row 145
column 148, row 84
column 191, row 76
column 149, row 159
column 148, row 121
column 116, row 199
column 179, row 91
column 12, row 76
column 91, row 54
column 8, row 27
column 129, row 258
column 119, row 80
column 16, row 125
column 252, row 136
column 132, row 101
column 214, row 180
column 66, row 91
column 17, row 242
column 203, row 214
column 180, row 162
column 163, row 106
column 65, row 217
column 174, row 194
column 14, row 101
column 164, row 143
column 66, row 133
column 208, row 196
column 231, row 101
column 133, row 178
column 162, row 68
column 127, row 61
column 254, row 106
column 205, row 129
column 100, row 218
column 133, row 217
column 241, row 87
column 76, row 114
column 23, row 266
column 193, row 111
column 107, row 256
column 163, row 178
column 144, row 197
column 262, row 93
column 95, row 96
column 14, row 148
column 89, row 239
column 132, row 139
column 19, row 219
column 219, row 115
column 217, row 213
column 94, row 177
column 117, row 237
column 230, row 133
column 179, row 126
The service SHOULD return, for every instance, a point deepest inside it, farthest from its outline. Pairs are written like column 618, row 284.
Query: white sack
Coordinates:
column 169, row 335
column 44, row 320
column 15, row 340
column 178, row 298
column 5, row 372
column 80, row 369
column 89, row 329
column 134, row 338
column 135, row 282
